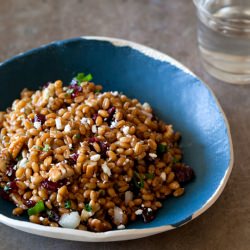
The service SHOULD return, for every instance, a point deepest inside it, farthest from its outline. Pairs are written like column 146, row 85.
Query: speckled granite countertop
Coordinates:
column 168, row 26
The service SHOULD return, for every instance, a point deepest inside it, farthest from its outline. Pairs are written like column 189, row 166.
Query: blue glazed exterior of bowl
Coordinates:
column 177, row 96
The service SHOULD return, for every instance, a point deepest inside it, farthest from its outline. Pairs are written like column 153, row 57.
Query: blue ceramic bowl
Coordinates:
column 177, row 96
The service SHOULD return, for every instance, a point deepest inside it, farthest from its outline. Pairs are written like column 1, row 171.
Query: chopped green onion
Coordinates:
column 38, row 147
column 46, row 148
column 97, row 91
column 88, row 208
column 81, row 77
column 175, row 160
column 88, row 78
column 67, row 204
column 38, row 208
column 19, row 157
column 77, row 136
column 149, row 175
column 50, row 214
column 161, row 149
column 102, row 192
column 139, row 182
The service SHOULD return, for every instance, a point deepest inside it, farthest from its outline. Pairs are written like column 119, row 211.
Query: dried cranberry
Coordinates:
column 94, row 117
column 76, row 89
column 53, row 215
column 103, row 145
column 12, row 185
column 4, row 195
column 183, row 173
column 40, row 118
column 11, row 172
column 93, row 139
column 75, row 94
column 30, row 203
column 73, row 158
column 46, row 85
column 62, row 183
column 104, row 148
column 49, row 185
column 134, row 188
column 111, row 112
column 147, row 214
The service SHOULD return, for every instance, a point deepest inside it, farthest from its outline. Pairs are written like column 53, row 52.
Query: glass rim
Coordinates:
column 203, row 11
column 200, row 7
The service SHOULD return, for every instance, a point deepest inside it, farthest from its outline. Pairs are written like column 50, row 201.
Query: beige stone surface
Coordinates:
column 169, row 26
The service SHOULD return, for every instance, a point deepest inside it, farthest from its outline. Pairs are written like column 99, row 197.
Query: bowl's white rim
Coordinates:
column 126, row 234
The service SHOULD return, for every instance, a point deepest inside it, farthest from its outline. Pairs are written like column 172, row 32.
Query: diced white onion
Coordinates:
column 125, row 130
column 37, row 125
column 84, row 121
column 120, row 227
column 114, row 93
column 145, row 105
column 23, row 162
column 138, row 212
column 106, row 169
column 94, row 129
column 67, row 128
column 113, row 124
column 95, row 157
column 163, row 176
column 118, row 216
column 128, row 197
column 71, row 220
column 59, row 123
column 152, row 155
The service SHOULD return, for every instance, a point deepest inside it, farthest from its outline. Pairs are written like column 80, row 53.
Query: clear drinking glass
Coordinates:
column 224, row 38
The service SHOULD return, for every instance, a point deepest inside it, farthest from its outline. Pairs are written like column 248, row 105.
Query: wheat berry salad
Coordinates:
column 78, row 157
